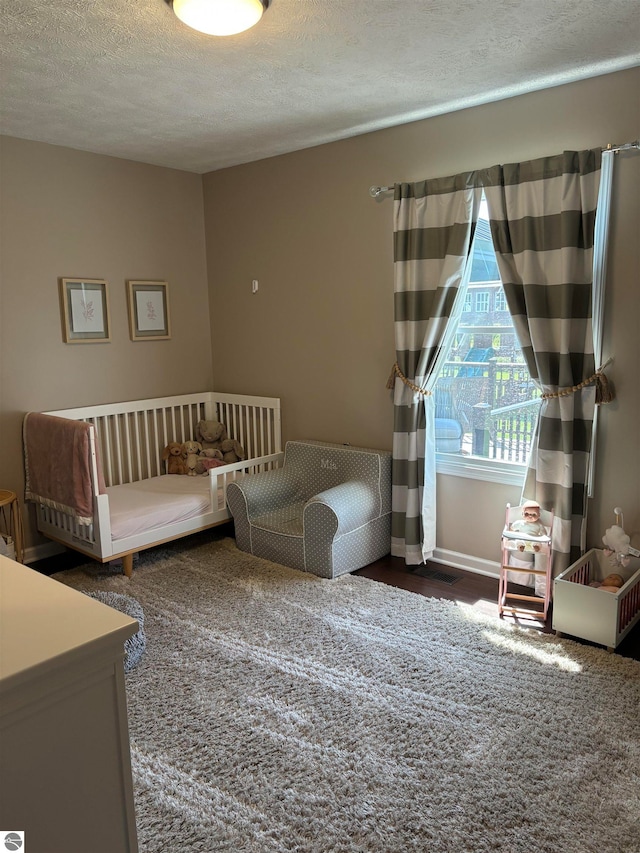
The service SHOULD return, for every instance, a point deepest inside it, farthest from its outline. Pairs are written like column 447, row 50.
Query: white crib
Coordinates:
column 143, row 506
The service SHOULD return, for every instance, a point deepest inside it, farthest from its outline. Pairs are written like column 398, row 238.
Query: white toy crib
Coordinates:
column 133, row 504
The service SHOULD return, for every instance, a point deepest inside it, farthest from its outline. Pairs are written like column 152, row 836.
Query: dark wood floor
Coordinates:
column 470, row 588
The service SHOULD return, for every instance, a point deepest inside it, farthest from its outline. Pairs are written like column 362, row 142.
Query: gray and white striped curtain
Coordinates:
column 542, row 216
column 434, row 223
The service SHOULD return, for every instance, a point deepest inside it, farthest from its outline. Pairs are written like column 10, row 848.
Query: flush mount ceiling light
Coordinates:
column 219, row 17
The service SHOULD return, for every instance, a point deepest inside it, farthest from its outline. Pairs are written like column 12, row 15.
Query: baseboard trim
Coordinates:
column 453, row 559
column 467, row 562
column 41, row 552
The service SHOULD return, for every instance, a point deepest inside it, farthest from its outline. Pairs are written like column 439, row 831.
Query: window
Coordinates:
column 482, row 302
column 486, row 401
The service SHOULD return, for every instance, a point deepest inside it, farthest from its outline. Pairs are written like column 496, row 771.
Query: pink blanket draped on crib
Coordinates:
column 57, row 456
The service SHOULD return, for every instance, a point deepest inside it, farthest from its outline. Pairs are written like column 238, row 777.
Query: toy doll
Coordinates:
column 529, row 524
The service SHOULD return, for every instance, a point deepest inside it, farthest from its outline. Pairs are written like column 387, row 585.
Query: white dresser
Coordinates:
column 65, row 766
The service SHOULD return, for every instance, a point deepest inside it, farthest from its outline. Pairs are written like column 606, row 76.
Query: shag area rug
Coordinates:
column 133, row 647
column 276, row 711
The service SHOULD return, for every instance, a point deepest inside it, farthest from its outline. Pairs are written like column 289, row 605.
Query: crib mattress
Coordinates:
column 149, row 504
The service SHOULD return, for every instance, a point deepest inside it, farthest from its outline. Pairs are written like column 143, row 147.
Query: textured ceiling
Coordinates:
column 126, row 78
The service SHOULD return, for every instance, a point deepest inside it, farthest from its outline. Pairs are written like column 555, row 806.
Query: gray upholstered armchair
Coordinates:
column 326, row 511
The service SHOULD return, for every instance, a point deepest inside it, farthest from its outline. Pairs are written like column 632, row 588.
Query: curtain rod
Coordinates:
column 625, row 147
column 374, row 192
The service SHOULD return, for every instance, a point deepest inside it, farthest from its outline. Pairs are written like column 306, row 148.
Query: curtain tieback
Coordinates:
column 604, row 391
column 395, row 371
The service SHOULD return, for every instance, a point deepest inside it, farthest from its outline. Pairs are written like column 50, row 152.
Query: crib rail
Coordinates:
column 253, row 421
column 221, row 477
column 64, row 522
column 94, row 539
column 130, row 436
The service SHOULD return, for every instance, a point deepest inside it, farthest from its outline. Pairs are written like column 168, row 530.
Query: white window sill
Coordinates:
column 476, row 468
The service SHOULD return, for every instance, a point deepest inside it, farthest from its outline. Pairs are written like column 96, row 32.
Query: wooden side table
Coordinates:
column 11, row 520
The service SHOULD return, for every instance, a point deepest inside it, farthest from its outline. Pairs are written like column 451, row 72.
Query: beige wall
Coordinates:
column 69, row 213
column 319, row 332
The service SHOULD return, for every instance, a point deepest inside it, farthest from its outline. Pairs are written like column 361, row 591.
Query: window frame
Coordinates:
column 502, row 299
column 482, row 301
column 477, row 467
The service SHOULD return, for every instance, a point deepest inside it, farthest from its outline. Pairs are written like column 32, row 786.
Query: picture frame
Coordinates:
column 85, row 310
column 148, row 303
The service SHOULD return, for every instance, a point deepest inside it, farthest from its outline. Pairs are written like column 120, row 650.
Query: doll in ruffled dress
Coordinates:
column 529, row 524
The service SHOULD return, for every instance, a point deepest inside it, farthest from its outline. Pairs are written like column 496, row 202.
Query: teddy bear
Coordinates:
column 208, row 458
column 213, row 435
column 191, row 451
column 173, row 455
column 210, row 434
column 232, row 451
